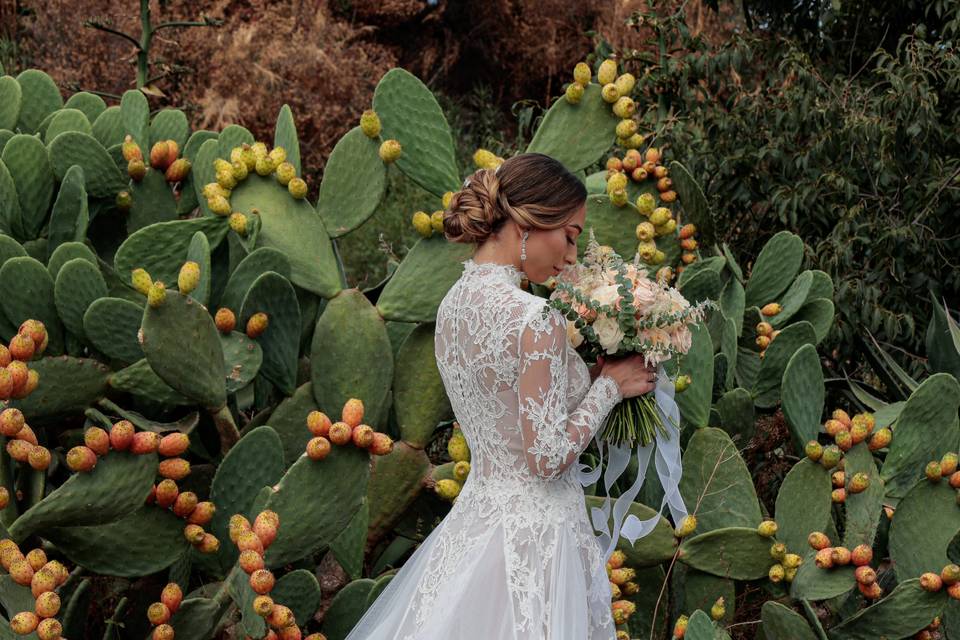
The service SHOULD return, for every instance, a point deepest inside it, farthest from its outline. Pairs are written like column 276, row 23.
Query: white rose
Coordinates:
column 573, row 334
column 605, row 294
column 608, row 333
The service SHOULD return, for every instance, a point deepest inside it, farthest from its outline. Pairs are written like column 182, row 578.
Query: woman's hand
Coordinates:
column 630, row 373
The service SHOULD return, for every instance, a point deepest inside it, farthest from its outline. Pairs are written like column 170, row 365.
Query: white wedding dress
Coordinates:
column 516, row 557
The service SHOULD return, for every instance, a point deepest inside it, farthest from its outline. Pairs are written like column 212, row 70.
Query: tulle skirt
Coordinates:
column 500, row 577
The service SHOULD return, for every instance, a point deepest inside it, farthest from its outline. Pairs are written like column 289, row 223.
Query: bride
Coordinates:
column 516, row 557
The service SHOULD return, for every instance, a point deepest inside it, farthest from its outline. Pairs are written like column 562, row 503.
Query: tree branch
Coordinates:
column 102, row 27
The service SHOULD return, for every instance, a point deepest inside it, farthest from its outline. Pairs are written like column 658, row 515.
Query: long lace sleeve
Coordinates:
column 553, row 439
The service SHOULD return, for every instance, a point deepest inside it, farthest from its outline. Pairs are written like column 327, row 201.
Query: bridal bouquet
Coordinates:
column 615, row 308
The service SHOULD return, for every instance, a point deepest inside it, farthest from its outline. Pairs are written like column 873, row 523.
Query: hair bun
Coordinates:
column 473, row 214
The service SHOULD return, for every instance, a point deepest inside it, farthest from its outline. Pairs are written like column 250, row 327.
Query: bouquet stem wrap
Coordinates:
column 668, row 466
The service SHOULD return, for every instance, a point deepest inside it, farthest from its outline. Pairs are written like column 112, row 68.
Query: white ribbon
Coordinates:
column 669, row 470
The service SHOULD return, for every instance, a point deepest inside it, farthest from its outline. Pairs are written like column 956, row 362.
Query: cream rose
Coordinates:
column 573, row 334
column 606, row 294
column 608, row 333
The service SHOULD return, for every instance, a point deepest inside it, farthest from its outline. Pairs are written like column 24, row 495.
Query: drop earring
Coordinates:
column 523, row 248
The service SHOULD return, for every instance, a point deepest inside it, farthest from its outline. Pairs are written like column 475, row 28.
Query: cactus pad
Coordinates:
column 26, row 291
column 802, row 393
column 26, row 159
column 78, row 285
column 353, row 183
column 774, row 269
column 103, row 177
column 803, row 504
column 160, row 248
column 70, row 215
column 67, row 386
column 273, row 294
column 420, row 400
column 39, row 98
column 905, row 611
column 415, row 289
column 576, row 135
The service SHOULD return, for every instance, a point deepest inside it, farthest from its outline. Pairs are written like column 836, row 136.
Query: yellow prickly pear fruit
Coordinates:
column 297, row 188
column 771, row 309
column 484, row 159
column 582, row 73
column 609, row 93
column 457, row 447
column 136, row 169
column 225, row 178
column 123, row 200
column 219, row 164
column 617, row 181
column 236, row 155
column 249, row 156
column 423, row 223
column 767, row 528
column 607, row 73
column 285, row 173
column 625, row 83
column 681, row 383
column 436, row 221
column 448, row 489
column 390, row 150
column 157, row 294
column 259, row 149
column 624, row 107
column 764, row 328
column 686, row 526
column 189, row 277
column 219, row 205
column 239, row 170
column 619, row 197
column 665, row 276
column 659, row 216
column 717, row 611
column 264, row 166
column 370, row 123
column 647, row 250
column 633, row 142
column 277, row 155
column 238, row 222
column 573, row 93
column 447, row 198
column 776, row 573
column 461, row 470
column 141, row 280
column 626, row 128
column 658, row 257
column 213, row 189
column 667, row 228
column 645, row 231
column 646, row 204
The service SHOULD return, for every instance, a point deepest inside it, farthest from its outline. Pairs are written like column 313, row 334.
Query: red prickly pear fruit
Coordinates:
column 172, row 596
column 185, row 503
column 865, row 574
column 39, row 457
column 842, row 416
column 203, row 513
column 19, row 376
column 158, row 155
column 5, row 357
column 318, row 448
column 22, row 348
column 352, row 412
column 833, row 427
column 838, row 495
column 948, row 463
column 249, row 540
column 19, row 450
column 871, row 591
column 36, row 330
column 6, row 384
column 257, row 324
column 267, row 516
column 21, row 572
column 880, row 439
column 130, row 149
column 11, row 421
column 824, row 558
column 262, row 581
column 840, row 556
column 152, row 496
column 193, row 533
column 49, row 629
column 238, row 524
column 266, row 531
column 281, row 617
column 859, row 482
column 950, row 574
column 954, row 590
column 178, row 170
column 173, row 150
column 4, row 498
column 318, row 423
column 933, row 471
column 931, row 582
column 137, row 170
column 25, row 622
column 158, row 613
column 225, row 320
column 861, row 555
column 27, row 434
column 263, row 606
column 98, row 440
column 36, row 558
column 58, row 570
column 209, row 543
column 163, row 632
column 173, row 444
column 9, row 555
column 838, row 478
column 80, row 458
column 382, row 444
column 145, row 442
column 362, row 436
column 121, row 435
column 290, row 633
column 250, row 561
column 340, row 433
column 859, row 432
column 320, row 636
column 47, row 604
column 955, row 479
column 844, row 440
